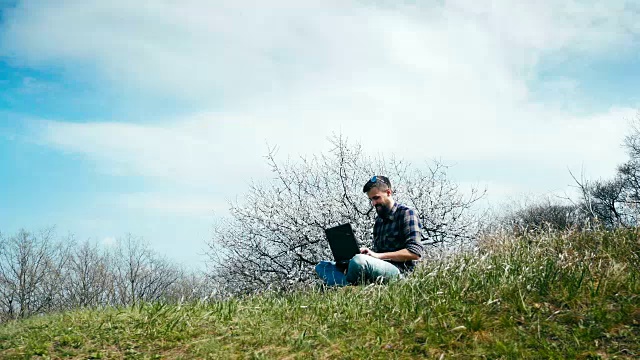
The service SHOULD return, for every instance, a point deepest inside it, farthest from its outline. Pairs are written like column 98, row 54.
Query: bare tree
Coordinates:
column 139, row 273
column 615, row 202
column 629, row 173
column 39, row 274
column 51, row 295
column 276, row 234
column 604, row 200
column 88, row 276
column 191, row 286
column 30, row 268
column 539, row 215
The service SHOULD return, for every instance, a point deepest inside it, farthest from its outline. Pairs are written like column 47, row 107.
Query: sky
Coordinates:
column 148, row 117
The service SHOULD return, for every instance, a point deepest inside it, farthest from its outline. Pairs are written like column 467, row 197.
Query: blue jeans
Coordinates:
column 361, row 268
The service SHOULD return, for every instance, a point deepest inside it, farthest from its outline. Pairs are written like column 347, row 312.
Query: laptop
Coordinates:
column 343, row 244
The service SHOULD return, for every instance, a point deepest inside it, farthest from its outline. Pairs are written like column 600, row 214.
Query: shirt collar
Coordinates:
column 392, row 212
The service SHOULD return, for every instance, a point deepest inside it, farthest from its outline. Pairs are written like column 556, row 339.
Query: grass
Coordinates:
column 563, row 296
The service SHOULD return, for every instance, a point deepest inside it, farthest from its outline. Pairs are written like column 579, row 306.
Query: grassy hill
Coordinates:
column 562, row 296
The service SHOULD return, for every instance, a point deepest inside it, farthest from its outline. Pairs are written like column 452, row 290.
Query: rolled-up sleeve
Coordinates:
column 412, row 232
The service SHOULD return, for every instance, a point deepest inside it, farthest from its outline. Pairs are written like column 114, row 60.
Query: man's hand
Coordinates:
column 367, row 251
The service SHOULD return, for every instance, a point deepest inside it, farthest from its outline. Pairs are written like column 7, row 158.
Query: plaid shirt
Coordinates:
column 401, row 229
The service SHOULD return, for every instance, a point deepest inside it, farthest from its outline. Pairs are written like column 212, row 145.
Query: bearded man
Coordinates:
column 397, row 242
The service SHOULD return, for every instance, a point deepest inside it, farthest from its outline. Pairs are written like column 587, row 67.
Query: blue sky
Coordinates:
column 146, row 118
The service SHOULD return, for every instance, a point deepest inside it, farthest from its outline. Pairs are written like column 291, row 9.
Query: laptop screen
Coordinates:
column 342, row 242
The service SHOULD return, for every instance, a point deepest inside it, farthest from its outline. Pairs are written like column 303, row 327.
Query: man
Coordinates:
column 397, row 241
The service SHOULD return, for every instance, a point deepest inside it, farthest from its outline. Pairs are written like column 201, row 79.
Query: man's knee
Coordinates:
column 359, row 268
column 321, row 267
column 358, row 265
column 359, row 261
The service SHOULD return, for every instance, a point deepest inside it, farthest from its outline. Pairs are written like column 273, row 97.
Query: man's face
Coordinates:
column 381, row 200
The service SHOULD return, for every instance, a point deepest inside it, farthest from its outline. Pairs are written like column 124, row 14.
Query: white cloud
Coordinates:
column 109, row 241
column 195, row 152
column 447, row 80
column 200, row 205
column 198, row 49
column 201, row 49
column 209, row 153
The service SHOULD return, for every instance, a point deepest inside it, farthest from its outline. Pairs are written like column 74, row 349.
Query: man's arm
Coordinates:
column 399, row 256
column 412, row 231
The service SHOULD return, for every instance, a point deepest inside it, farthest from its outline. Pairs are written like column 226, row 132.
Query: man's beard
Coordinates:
column 382, row 210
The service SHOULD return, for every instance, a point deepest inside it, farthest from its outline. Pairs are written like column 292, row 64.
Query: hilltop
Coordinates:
column 568, row 295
